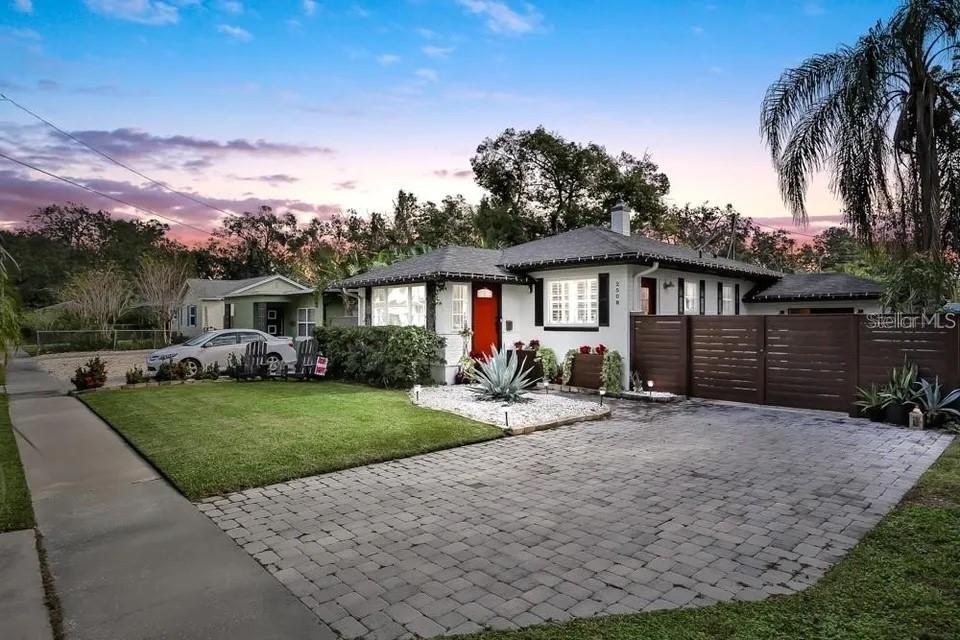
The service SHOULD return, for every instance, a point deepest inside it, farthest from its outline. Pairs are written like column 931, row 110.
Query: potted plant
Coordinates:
column 900, row 393
column 518, row 345
column 586, row 370
column 585, row 349
column 527, row 358
column 936, row 406
column 871, row 402
column 601, row 349
column 533, row 345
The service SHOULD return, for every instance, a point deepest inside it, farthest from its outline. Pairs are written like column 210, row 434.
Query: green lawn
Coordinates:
column 215, row 438
column 902, row 581
column 16, row 511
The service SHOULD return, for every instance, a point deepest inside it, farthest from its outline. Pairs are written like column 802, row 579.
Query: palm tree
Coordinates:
column 870, row 112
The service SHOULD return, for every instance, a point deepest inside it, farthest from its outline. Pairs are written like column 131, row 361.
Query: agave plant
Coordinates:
column 871, row 400
column 935, row 405
column 501, row 378
column 902, row 387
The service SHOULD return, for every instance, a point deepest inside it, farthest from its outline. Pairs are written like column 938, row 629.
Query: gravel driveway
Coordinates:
column 63, row 365
column 661, row 506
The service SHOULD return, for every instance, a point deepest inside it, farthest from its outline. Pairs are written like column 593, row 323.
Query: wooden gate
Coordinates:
column 814, row 362
column 726, row 358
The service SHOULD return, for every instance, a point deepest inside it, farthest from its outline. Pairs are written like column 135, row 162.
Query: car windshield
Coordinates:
column 200, row 339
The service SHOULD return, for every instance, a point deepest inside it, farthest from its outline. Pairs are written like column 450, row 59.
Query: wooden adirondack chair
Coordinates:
column 254, row 360
column 306, row 360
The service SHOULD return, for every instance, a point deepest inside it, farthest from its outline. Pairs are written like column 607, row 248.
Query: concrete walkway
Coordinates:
column 23, row 614
column 130, row 557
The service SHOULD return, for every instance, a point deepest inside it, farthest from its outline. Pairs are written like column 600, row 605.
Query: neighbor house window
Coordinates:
column 573, row 302
column 192, row 315
column 458, row 312
column 306, row 321
column 400, row 306
column 691, row 297
column 728, row 307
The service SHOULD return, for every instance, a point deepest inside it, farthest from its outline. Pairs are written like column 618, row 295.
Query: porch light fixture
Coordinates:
column 603, row 392
column 416, row 391
column 668, row 284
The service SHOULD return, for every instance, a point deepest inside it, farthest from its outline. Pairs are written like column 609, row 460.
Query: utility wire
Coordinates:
column 110, row 158
column 102, row 194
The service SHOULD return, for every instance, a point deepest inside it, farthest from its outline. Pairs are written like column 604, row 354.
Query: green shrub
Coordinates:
column 91, row 375
column 611, row 372
column 212, row 372
column 567, row 371
column 398, row 357
column 136, row 375
column 547, row 358
column 167, row 372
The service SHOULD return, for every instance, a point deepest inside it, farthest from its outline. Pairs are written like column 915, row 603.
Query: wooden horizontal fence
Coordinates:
column 814, row 362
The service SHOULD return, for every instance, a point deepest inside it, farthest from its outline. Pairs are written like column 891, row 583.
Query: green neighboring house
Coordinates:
column 273, row 304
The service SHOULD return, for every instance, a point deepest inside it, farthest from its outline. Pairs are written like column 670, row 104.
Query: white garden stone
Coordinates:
column 537, row 408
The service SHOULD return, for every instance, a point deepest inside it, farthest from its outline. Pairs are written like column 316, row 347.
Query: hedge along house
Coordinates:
column 580, row 288
column 273, row 304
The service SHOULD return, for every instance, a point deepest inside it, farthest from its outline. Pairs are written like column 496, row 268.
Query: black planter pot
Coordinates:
column 875, row 414
column 898, row 414
column 935, row 422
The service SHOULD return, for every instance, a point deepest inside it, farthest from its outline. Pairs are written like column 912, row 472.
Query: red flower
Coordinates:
column 518, row 345
column 534, row 344
column 601, row 349
column 585, row 349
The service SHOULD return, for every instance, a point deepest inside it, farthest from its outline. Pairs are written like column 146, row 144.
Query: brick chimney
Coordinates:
column 620, row 218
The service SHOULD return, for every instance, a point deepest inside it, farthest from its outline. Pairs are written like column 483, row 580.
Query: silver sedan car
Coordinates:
column 217, row 346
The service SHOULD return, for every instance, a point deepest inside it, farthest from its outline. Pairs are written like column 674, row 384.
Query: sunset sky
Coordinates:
column 325, row 106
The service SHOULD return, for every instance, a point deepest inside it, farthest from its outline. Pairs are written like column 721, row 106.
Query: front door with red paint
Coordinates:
column 486, row 317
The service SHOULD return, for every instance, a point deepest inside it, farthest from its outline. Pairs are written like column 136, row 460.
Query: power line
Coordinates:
column 110, row 158
column 102, row 194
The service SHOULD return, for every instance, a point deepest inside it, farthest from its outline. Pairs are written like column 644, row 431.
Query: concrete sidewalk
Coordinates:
column 130, row 557
column 23, row 613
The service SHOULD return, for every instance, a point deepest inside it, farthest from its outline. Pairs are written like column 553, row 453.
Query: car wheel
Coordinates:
column 274, row 363
column 191, row 367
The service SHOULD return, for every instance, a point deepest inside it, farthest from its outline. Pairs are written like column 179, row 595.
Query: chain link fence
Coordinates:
column 67, row 340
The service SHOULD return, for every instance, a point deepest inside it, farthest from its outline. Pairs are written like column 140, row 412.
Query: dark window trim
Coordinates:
column 558, row 328
column 703, row 297
column 681, row 296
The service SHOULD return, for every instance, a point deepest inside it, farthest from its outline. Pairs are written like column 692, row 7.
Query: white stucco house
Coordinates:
column 580, row 287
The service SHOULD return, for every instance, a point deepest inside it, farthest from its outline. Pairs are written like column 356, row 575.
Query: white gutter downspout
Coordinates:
column 636, row 282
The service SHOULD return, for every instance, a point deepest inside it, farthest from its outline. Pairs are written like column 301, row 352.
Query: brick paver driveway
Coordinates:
column 661, row 506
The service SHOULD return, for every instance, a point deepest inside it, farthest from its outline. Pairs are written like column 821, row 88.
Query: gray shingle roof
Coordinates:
column 816, row 286
column 448, row 263
column 594, row 244
column 218, row 288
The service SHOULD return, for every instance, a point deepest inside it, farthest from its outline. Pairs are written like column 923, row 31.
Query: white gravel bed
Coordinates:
column 539, row 407
column 64, row 365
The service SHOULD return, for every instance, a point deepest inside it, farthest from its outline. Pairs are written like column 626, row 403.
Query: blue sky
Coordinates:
column 322, row 106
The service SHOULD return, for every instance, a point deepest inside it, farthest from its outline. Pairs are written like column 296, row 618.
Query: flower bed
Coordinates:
column 540, row 409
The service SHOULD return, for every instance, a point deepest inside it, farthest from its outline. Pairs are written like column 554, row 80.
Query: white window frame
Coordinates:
column 691, row 297
column 572, row 302
column 410, row 311
column 459, row 306
column 728, row 303
column 306, row 325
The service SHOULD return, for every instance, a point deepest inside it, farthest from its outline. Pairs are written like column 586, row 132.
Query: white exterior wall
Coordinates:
column 210, row 314
column 444, row 327
column 668, row 298
column 775, row 308
column 518, row 308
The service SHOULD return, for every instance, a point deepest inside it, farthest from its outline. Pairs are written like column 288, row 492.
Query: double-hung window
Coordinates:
column 573, row 302
column 192, row 315
column 460, row 297
column 306, row 321
column 691, row 297
column 728, row 306
column 400, row 306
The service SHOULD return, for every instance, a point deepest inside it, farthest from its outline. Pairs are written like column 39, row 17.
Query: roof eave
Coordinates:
column 863, row 295
column 431, row 276
column 632, row 257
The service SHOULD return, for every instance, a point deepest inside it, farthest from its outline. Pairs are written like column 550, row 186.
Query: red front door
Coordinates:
column 486, row 317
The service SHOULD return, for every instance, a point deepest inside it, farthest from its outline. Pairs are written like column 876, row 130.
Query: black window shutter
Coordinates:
column 703, row 297
column 431, row 300
column 736, row 299
column 603, row 299
column 538, row 302
column 681, row 294
column 368, row 306
column 719, row 298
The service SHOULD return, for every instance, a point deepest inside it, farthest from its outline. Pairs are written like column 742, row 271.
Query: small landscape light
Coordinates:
column 506, row 417
column 649, row 384
column 546, row 385
column 603, row 392
column 416, row 391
